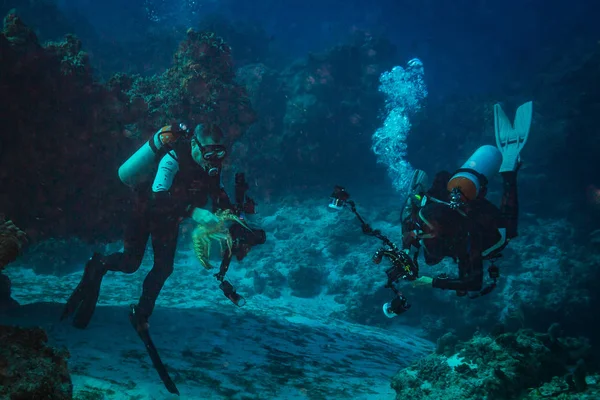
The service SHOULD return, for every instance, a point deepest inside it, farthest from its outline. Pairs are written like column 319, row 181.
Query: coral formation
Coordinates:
column 12, row 240
column 326, row 108
column 29, row 368
column 61, row 117
column 507, row 366
column 56, row 256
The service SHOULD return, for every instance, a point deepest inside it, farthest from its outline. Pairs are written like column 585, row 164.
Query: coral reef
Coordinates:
column 6, row 300
column 61, row 117
column 57, row 118
column 56, row 256
column 326, row 109
column 12, row 241
column 506, row 366
column 29, row 368
column 249, row 42
column 307, row 280
column 198, row 88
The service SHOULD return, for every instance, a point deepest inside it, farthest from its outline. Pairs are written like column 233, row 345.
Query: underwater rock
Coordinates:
column 306, row 280
column 62, row 117
column 6, row 301
column 328, row 99
column 12, row 241
column 500, row 368
column 58, row 120
column 29, row 368
column 56, row 256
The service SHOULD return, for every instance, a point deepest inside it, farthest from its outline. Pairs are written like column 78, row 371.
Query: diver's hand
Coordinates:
column 422, row 281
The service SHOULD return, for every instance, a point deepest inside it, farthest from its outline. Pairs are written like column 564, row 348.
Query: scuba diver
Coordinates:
column 158, row 208
column 454, row 219
column 173, row 174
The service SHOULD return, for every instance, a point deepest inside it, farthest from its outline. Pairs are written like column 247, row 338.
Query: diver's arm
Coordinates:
column 167, row 169
column 470, row 269
column 509, row 208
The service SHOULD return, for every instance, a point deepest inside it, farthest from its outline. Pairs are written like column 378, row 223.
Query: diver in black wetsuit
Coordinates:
column 475, row 231
column 454, row 219
column 187, row 172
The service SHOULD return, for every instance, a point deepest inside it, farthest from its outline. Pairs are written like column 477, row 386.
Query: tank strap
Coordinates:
column 482, row 179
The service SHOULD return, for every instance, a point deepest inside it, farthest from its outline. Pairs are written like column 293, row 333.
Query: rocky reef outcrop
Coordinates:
column 521, row 365
column 317, row 116
column 12, row 242
column 29, row 368
column 67, row 133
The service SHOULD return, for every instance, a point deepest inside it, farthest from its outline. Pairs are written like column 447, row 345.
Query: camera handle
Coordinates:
column 399, row 304
column 368, row 230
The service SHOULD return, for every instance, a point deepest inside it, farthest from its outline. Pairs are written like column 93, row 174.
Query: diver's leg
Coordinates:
column 164, row 231
column 135, row 239
column 509, row 208
column 82, row 303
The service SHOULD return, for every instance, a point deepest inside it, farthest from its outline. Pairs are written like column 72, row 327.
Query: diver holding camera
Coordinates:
column 454, row 219
column 174, row 172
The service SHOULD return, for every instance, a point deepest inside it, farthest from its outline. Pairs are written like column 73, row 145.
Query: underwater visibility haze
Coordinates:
column 320, row 200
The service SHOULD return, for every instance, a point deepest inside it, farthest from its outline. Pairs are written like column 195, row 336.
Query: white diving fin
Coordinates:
column 510, row 138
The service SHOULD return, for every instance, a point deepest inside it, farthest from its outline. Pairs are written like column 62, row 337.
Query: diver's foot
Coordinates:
column 138, row 320
column 94, row 269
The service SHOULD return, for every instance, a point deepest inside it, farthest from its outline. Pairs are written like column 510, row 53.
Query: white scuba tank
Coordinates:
column 140, row 166
column 485, row 162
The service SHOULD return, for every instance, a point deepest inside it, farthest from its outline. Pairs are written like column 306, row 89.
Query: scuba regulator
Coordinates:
column 242, row 239
column 403, row 267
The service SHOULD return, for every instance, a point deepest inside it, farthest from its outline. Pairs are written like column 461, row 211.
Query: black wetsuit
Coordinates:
column 481, row 231
column 156, row 216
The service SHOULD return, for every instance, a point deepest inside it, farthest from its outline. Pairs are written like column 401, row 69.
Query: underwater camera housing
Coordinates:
column 396, row 306
column 338, row 198
column 403, row 267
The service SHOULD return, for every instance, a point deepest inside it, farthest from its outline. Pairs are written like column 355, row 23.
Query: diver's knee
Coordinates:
column 163, row 269
column 131, row 263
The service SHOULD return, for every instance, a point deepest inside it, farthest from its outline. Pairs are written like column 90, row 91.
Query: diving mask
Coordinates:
column 213, row 156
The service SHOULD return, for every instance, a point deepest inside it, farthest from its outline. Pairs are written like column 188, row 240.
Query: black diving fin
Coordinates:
column 144, row 334
column 83, row 300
